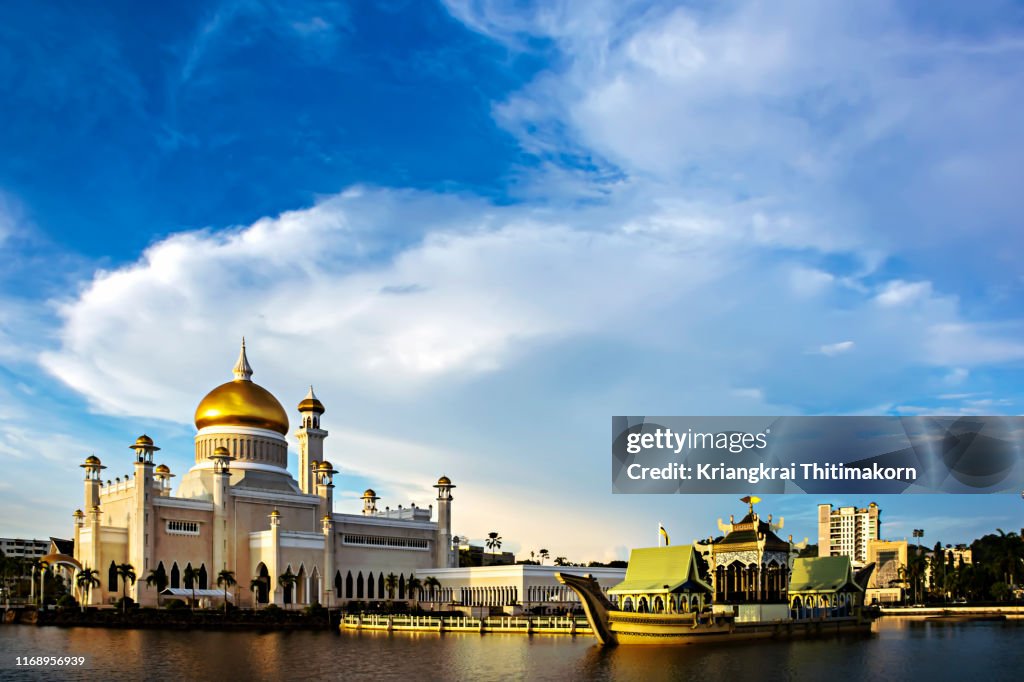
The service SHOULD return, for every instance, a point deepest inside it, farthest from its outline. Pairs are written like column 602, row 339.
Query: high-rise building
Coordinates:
column 20, row 548
column 846, row 531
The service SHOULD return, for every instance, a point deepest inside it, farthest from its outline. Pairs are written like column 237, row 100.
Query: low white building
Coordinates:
column 514, row 589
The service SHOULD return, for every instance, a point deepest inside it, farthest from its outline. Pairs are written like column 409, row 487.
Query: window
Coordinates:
column 386, row 541
column 175, row 527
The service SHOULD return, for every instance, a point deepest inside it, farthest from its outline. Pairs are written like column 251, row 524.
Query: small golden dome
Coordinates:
column 275, row 514
column 162, row 469
column 220, row 452
column 78, row 514
column 325, row 466
column 369, row 493
column 92, row 462
column 311, row 403
column 143, row 440
column 444, row 480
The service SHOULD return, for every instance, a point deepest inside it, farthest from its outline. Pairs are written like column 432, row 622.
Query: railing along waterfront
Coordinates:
column 553, row 625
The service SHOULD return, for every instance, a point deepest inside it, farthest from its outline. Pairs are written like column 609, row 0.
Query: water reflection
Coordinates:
column 900, row 649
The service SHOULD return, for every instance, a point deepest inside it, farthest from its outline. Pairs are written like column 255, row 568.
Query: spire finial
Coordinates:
column 242, row 369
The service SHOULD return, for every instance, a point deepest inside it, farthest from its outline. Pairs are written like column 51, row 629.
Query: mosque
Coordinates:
column 238, row 508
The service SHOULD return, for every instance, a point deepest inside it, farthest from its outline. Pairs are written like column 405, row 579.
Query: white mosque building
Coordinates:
column 238, row 508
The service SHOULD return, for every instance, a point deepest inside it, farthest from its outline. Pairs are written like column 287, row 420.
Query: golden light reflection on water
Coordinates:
column 901, row 648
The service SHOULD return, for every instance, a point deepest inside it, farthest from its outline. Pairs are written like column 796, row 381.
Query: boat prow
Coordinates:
column 595, row 605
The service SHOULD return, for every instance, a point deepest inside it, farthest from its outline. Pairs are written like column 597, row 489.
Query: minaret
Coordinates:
column 79, row 517
column 327, row 526
column 311, row 440
column 444, row 556
column 140, row 538
column 92, row 468
column 276, row 594
column 221, row 481
column 370, row 502
column 324, row 476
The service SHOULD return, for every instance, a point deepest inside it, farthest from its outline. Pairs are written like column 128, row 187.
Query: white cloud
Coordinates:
column 898, row 292
column 833, row 349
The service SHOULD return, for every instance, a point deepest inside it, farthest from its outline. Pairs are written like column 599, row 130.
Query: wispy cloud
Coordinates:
column 833, row 349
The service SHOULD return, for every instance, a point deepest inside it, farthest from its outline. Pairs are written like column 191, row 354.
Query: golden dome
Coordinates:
column 326, row 466
column 92, row 461
column 143, row 440
column 369, row 493
column 162, row 469
column 242, row 403
column 444, row 480
column 311, row 403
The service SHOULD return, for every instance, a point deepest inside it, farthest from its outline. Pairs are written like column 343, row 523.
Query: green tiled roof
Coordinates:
column 658, row 570
column 821, row 574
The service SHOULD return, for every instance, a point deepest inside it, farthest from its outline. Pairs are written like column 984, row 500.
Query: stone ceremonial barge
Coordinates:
column 746, row 584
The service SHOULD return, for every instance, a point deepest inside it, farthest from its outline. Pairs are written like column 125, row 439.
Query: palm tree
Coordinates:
column 87, row 579
column 493, row 542
column 157, row 577
column 288, row 580
column 191, row 577
column 543, row 553
column 916, row 563
column 432, row 584
column 8, row 567
column 391, row 584
column 226, row 578
column 414, row 585
column 1011, row 552
column 126, row 572
column 254, row 585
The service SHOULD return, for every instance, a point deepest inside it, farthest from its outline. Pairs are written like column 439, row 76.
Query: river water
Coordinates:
column 899, row 649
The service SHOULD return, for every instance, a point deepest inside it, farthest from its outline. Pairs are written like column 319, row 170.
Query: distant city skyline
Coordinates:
column 481, row 230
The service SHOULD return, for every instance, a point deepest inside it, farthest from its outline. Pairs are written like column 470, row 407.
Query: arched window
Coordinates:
column 401, row 586
column 369, row 586
column 348, row 585
column 203, row 578
column 659, row 605
column 627, row 604
column 359, row 585
column 188, row 579
column 112, row 577
column 380, row 585
column 175, row 576
column 337, row 583
column 263, row 590
column 641, row 606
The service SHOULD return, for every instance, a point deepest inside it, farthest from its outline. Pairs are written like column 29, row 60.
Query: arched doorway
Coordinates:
column 301, row 593
column 314, row 587
column 263, row 587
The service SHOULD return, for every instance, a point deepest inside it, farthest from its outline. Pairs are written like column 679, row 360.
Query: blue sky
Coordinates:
column 483, row 228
